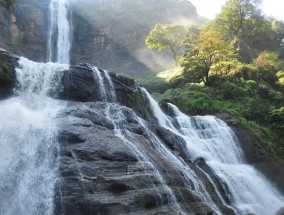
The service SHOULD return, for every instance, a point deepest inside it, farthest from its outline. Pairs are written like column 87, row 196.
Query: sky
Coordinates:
column 209, row 8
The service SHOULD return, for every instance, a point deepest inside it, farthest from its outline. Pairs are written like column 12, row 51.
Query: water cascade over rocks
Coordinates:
column 29, row 147
column 211, row 139
column 60, row 32
column 79, row 140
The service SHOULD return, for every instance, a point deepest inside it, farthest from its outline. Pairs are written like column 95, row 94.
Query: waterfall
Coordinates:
column 210, row 138
column 59, row 32
column 114, row 112
column 28, row 166
column 105, row 84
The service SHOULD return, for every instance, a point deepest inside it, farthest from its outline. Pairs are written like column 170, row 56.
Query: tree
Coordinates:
column 235, row 16
column 7, row 4
column 167, row 36
column 242, row 24
column 270, row 68
column 203, row 51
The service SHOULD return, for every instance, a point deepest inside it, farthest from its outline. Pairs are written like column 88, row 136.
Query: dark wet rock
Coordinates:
column 173, row 141
column 164, row 105
column 101, row 173
column 199, row 161
column 79, row 85
column 280, row 212
column 8, row 63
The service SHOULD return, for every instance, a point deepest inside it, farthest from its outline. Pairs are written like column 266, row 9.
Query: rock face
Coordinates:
column 114, row 158
column 109, row 34
column 112, row 35
column 102, row 173
column 24, row 32
column 8, row 62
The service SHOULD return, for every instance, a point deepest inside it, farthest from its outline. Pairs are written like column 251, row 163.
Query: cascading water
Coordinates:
column 211, row 139
column 115, row 114
column 60, row 32
column 106, row 86
column 29, row 146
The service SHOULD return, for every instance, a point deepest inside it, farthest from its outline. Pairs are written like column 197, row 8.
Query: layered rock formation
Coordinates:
column 109, row 34
column 115, row 158
column 24, row 32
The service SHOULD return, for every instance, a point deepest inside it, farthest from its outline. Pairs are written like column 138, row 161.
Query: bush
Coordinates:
column 277, row 118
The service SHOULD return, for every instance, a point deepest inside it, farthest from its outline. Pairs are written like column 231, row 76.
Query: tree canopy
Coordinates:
column 242, row 23
column 167, row 36
column 203, row 51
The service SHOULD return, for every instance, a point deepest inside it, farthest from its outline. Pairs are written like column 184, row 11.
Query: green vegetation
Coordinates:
column 203, row 51
column 233, row 64
column 167, row 36
column 255, row 105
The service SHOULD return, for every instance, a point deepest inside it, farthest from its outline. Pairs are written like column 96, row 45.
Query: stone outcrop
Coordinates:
column 109, row 34
column 24, row 32
column 115, row 159
column 101, row 173
column 8, row 62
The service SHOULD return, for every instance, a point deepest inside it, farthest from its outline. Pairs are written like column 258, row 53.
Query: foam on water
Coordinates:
column 28, row 166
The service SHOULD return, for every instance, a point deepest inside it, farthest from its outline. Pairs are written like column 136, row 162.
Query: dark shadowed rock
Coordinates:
column 109, row 34
column 173, row 141
column 280, row 212
column 101, row 173
column 164, row 105
column 8, row 63
column 79, row 85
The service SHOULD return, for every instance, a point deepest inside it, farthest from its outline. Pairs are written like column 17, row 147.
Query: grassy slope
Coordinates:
column 253, row 104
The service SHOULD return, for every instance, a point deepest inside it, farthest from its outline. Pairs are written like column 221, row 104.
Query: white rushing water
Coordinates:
column 28, row 155
column 60, row 32
column 105, row 84
column 211, row 139
column 115, row 114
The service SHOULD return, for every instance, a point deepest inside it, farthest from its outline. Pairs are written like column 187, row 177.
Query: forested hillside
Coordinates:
column 233, row 64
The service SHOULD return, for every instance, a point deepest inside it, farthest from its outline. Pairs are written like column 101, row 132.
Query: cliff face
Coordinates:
column 24, row 32
column 105, row 172
column 109, row 33
column 115, row 158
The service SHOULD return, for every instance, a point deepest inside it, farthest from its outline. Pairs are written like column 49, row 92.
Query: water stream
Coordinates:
column 28, row 167
column 59, row 32
column 210, row 138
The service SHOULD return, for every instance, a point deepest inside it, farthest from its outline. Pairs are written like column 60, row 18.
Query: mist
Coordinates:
column 126, row 24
